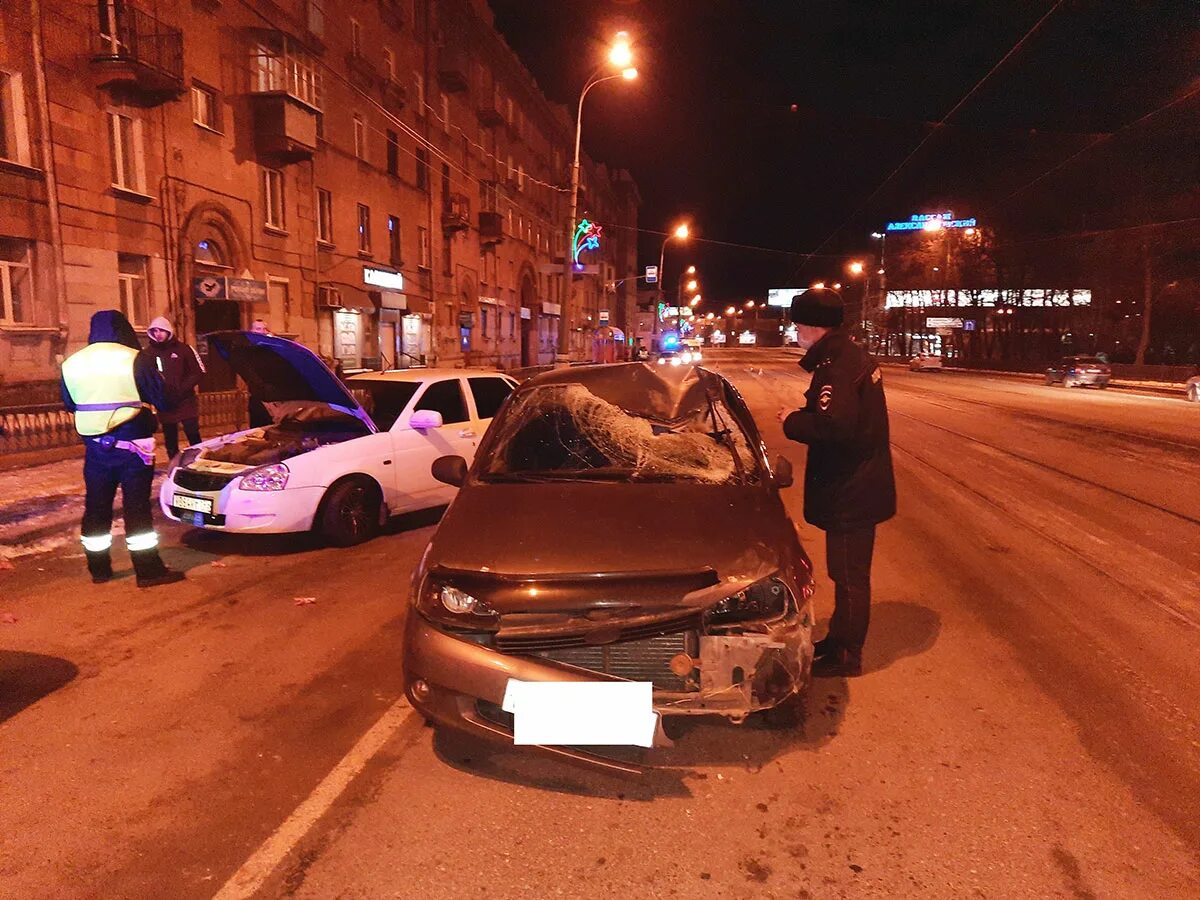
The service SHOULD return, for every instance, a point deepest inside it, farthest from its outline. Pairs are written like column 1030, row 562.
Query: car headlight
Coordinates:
column 455, row 608
column 676, row 361
column 766, row 599
column 662, row 360
column 687, row 357
column 265, row 478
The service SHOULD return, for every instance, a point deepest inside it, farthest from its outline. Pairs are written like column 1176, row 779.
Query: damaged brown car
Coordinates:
column 619, row 522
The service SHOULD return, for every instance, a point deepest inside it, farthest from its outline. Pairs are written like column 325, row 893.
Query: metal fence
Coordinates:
column 48, row 426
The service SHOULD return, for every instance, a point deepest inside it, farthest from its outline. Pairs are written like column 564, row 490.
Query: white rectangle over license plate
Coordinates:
column 581, row 713
column 196, row 504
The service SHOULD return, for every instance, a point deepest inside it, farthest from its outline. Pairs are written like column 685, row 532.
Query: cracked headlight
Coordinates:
column 766, row 599
column 454, row 607
column 265, row 478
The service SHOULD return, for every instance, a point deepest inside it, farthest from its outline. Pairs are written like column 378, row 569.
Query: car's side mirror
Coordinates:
column 424, row 419
column 783, row 473
column 451, row 470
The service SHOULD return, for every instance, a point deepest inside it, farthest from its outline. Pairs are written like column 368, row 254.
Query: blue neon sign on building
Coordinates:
column 919, row 222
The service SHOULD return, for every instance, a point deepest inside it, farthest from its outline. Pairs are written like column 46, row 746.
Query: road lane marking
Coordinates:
column 247, row 880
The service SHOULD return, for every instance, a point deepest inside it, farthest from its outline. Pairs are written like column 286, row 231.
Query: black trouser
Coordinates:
column 191, row 427
column 848, row 560
column 103, row 471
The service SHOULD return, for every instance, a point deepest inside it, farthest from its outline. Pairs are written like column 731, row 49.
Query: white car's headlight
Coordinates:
column 676, row 361
column 687, row 357
column 266, row 478
column 662, row 360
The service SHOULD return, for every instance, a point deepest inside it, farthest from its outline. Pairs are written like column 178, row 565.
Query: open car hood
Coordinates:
column 280, row 371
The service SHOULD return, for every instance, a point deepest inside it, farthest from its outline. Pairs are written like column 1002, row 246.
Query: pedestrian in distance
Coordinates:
column 257, row 412
column 110, row 386
column 849, row 487
column 181, row 368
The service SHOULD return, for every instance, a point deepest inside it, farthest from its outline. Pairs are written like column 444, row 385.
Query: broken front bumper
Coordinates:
column 460, row 683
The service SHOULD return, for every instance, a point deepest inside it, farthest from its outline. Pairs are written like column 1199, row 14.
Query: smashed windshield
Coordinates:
column 567, row 432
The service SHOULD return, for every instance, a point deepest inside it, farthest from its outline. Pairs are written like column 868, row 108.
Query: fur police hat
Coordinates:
column 817, row 306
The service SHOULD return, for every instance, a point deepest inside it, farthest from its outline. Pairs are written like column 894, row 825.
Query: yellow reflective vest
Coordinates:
column 100, row 380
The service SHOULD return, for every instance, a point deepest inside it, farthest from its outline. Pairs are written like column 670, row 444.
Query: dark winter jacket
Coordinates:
column 848, row 482
column 181, row 371
column 110, row 326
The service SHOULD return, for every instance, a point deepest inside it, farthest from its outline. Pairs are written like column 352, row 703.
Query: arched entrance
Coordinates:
column 211, row 249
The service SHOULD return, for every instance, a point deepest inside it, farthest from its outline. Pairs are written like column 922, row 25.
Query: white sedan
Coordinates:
column 1193, row 389
column 335, row 461
column 926, row 362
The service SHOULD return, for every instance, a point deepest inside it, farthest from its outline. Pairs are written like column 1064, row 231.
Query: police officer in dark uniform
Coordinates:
column 848, row 483
column 110, row 386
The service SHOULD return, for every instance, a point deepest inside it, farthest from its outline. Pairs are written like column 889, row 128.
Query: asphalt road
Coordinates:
column 1028, row 724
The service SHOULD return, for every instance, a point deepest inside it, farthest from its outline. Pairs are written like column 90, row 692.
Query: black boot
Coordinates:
column 99, row 563
column 824, row 647
column 840, row 663
column 150, row 569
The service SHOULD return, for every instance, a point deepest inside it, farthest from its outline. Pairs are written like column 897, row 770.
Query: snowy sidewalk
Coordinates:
column 41, row 506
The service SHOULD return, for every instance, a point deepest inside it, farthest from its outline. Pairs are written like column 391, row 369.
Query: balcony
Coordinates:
column 453, row 70
column 394, row 96
column 489, row 113
column 363, row 73
column 392, row 13
column 491, row 227
column 456, row 213
column 135, row 53
column 285, row 91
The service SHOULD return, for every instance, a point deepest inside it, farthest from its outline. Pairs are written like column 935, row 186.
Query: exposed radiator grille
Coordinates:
column 191, row 480
column 509, row 642
column 646, row 660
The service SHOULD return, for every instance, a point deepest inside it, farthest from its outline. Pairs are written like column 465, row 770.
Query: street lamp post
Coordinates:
column 680, row 233
column 621, row 57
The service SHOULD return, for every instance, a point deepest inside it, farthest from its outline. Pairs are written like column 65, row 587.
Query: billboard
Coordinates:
column 783, row 296
column 987, row 297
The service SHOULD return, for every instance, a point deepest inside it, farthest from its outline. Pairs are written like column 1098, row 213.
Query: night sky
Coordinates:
column 710, row 133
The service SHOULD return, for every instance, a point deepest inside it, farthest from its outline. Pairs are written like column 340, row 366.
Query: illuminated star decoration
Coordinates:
column 587, row 237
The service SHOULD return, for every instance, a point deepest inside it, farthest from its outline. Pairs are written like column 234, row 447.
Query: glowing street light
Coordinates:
column 692, row 286
column 749, row 304
column 729, row 310
column 694, row 302
column 818, row 285
column 932, row 225
column 620, row 57
column 691, row 270
column 856, row 268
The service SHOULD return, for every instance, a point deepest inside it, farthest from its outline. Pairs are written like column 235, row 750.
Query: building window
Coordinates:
column 389, row 63
column 16, row 285
column 125, row 147
column 273, row 209
column 422, row 169
column 133, row 288
column 360, row 138
column 316, row 18
column 483, row 321
column 355, row 37
column 446, row 113
column 14, row 127
column 364, row 228
column 447, row 257
column 393, row 153
column 393, row 225
column 204, row 106
column 324, row 216
column 277, row 65
column 419, row 81
column 423, row 247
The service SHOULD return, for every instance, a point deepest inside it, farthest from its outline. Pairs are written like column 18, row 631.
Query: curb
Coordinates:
column 1161, row 389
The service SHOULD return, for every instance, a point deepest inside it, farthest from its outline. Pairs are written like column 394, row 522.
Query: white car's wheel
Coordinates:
column 1194, row 393
column 350, row 511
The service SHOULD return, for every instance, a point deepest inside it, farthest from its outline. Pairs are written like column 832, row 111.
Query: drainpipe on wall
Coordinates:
column 47, row 139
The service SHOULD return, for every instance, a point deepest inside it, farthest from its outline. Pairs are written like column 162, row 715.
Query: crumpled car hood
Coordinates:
column 590, row 544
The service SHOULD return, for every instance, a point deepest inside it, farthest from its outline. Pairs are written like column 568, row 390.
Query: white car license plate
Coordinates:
column 195, row 504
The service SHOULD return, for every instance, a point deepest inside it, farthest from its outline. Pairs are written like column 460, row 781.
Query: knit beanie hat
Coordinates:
column 819, row 307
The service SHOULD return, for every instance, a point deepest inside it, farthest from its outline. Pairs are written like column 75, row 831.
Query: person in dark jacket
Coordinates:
column 849, row 487
column 110, row 386
column 181, row 369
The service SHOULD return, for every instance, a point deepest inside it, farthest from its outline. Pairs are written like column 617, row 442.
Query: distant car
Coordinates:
column 1079, row 371
column 328, row 463
column 684, row 356
column 620, row 523
column 1193, row 389
column 926, row 363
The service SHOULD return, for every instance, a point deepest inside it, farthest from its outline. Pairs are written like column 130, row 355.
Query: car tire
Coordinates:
column 1050, row 380
column 1194, row 393
column 350, row 512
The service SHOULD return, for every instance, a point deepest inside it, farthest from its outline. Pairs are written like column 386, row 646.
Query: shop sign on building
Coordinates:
column 209, row 287
column 604, row 317
column 942, row 322
column 247, row 290
column 383, row 278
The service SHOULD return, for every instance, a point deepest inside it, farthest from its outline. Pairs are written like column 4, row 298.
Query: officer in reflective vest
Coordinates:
column 110, row 386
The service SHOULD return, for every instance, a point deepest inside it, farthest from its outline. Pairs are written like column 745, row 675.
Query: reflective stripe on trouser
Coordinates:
column 96, row 543
column 104, row 471
column 147, row 540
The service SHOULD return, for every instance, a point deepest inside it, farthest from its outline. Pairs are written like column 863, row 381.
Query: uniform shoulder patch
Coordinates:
column 876, row 376
column 825, row 397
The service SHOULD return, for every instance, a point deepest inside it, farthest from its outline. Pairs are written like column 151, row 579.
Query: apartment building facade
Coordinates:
column 381, row 180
